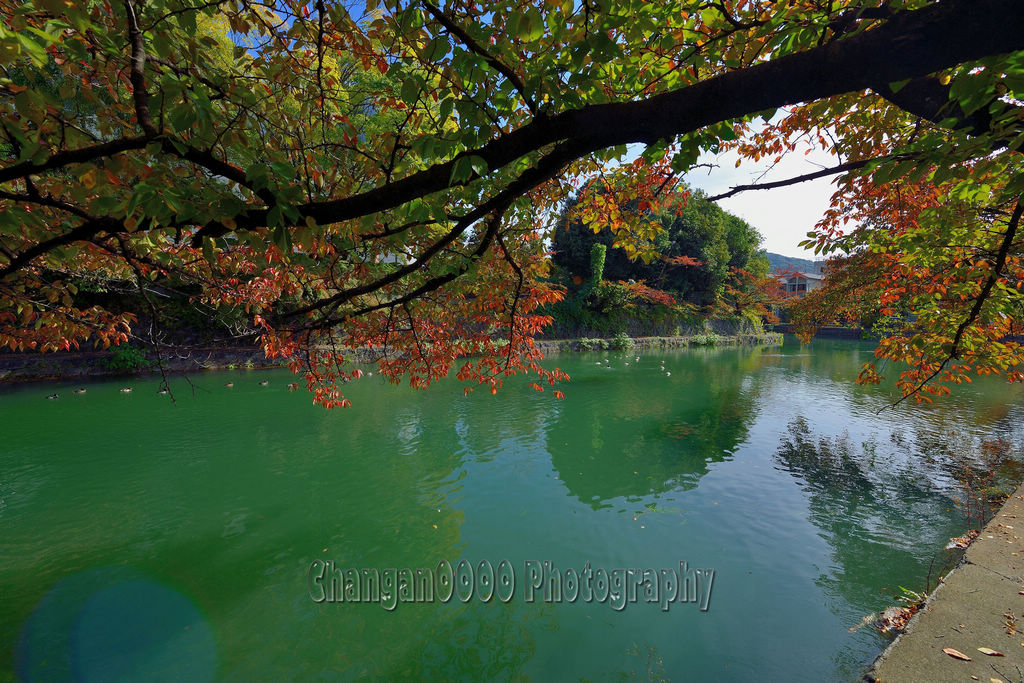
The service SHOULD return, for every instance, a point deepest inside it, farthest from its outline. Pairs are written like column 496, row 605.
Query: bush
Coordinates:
column 127, row 359
column 609, row 296
column 621, row 341
column 706, row 339
column 594, row 344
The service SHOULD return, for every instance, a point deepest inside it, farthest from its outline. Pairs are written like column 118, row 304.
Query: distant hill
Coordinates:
column 803, row 265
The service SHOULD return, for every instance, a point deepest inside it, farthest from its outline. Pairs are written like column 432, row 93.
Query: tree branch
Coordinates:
column 476, row 48
column 84, row 231
column 546, row 169
column 928, row 98
column 997, row 270
column 137, row 73
column 74, row 156
column 823, row 173
column 911, row 44
column 433, row 283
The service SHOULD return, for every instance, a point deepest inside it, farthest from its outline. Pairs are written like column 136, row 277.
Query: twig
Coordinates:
column 474, row 46
column 841, row 168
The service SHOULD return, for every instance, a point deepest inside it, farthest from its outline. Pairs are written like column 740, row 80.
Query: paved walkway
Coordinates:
column 979, row 604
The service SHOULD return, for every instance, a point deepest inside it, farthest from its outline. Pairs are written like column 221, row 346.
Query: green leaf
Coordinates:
column 420, row 211
column 274, row 217
column 478, row 165
column 435, row 49
column 896, row 86
column 257, row 175
column 531, row 26
column 209, row 252
column 445, row 109
column 410, row 91
column 283, row 169
column 282, row 239
column 182, row 117
column 463, row 168
column 187, row 20
column 512, row 23
column 684, row 159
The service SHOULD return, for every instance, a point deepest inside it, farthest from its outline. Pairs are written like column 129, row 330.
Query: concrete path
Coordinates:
column 979, row 604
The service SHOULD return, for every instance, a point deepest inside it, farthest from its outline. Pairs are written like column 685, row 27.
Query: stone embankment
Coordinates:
column 980, row 604
column 22, row 367
column 571, row 345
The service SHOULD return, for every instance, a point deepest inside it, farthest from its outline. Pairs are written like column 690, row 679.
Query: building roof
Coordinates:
column 806, row 276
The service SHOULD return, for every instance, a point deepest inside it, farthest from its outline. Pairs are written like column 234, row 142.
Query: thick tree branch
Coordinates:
column 42, row 200
column 207, row 160
column 928, row 98
column 137, row 73
column 73, row 156
column 547, row 168
column 909, row 45
column 168, row 145
column 84, row 231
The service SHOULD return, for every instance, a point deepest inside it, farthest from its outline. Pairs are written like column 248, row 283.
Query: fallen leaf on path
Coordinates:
column 894, row 618
column 956, row 654
column 990, row 652
column 962, row 541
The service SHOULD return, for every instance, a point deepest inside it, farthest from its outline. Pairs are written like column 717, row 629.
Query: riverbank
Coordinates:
column 31, row 367
column 549, row 346
column 830, row 332
column 980, row 604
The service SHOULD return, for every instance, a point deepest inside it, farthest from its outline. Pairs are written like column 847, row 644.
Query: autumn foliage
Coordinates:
column 386, row 175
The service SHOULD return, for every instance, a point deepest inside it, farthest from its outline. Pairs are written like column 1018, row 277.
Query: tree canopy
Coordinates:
column 698, row 247
column 384, row 174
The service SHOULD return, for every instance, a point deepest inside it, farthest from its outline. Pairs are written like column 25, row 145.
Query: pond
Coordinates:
column 207, row 540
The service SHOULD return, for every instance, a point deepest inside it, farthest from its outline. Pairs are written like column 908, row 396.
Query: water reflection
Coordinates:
column 883, row 508
column 227, row 498
column 656, row 432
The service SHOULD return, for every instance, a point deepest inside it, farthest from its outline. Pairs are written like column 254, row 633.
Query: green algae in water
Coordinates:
column 770, row 467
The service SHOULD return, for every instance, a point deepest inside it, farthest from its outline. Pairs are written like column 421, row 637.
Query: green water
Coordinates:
column 141, row 539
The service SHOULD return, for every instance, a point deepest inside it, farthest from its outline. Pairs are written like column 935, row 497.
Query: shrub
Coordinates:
column 609, row 296
column 621, row 341
column 126, row 359
column 594, row 344
column 705, row 339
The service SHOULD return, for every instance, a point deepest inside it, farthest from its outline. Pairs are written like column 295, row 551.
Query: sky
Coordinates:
column 783, row 215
